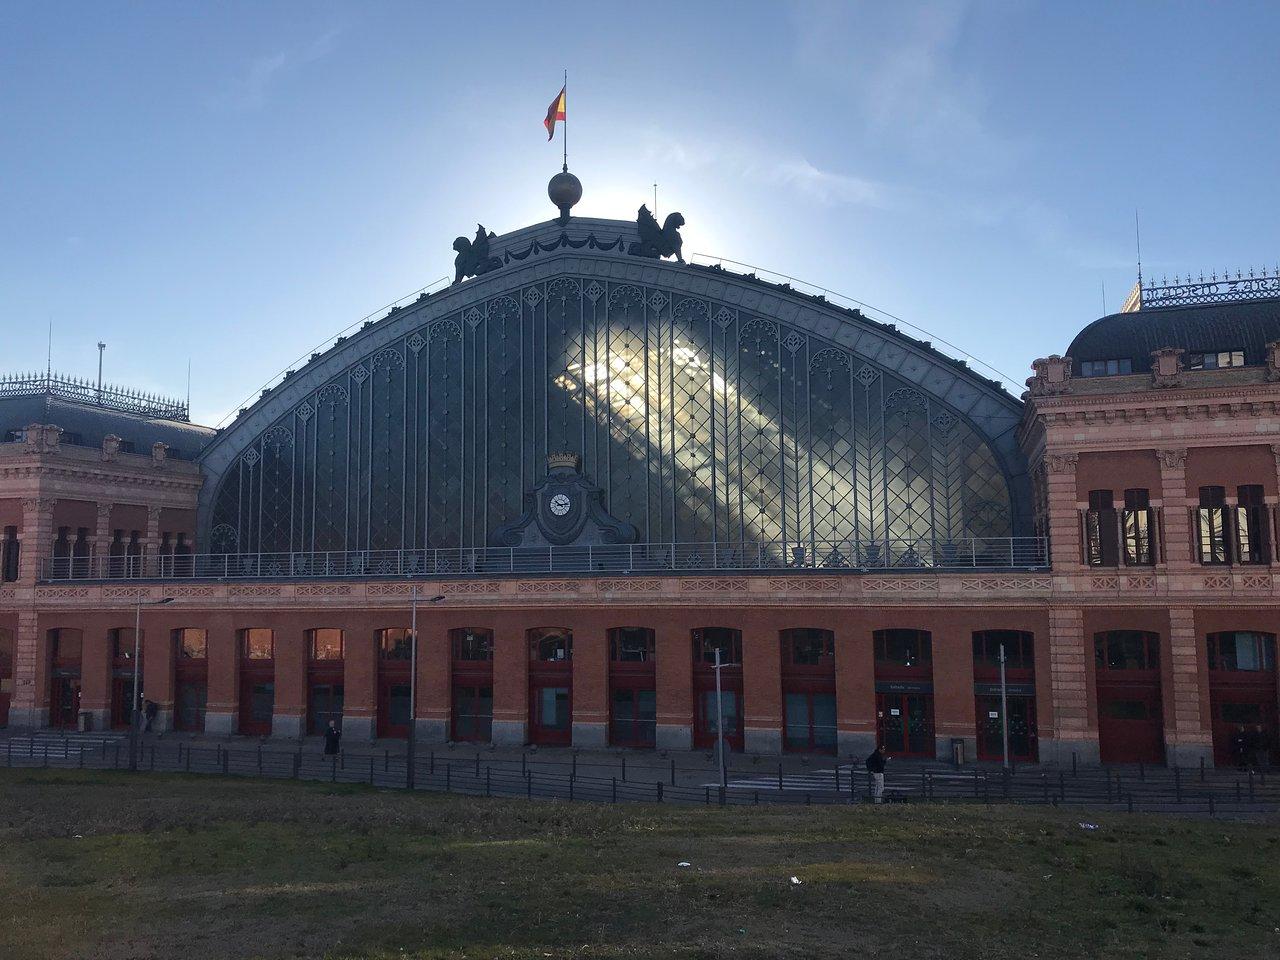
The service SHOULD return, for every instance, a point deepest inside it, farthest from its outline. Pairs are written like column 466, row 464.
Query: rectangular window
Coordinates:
column 9, row 555
column 1211, row 526
column 1253, row 540
column 1101, row 532
column 1019, row 649
column 1215, row 360
column 326, row 644
column 809, row 647
column 1106, row 368
column 1136, row 524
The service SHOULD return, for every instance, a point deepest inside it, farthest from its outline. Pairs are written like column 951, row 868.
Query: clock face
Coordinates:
column 559, row 504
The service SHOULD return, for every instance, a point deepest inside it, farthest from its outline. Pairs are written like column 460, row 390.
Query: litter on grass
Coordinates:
column 1088, row 826
column 684, row 863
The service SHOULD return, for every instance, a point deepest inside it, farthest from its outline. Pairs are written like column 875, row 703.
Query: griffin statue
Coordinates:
column 473, row 256
column 657, row 241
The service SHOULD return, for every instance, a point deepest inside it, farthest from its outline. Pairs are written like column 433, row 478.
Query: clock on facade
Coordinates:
column 559, row 504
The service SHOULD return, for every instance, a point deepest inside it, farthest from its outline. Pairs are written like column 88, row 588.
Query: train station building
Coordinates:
column 590, row 470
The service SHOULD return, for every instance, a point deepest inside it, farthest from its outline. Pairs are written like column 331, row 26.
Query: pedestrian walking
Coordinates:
column 332, row 737
column 149, row 710
column 875, row 766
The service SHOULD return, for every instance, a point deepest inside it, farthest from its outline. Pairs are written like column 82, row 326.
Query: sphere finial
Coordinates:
column 564, row 190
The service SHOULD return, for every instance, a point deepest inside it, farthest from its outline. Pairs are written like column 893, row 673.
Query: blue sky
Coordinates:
column 235, row 182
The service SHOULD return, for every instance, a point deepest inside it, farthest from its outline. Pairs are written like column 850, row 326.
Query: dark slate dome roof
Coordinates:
column 1247, row 325
column 86, row 425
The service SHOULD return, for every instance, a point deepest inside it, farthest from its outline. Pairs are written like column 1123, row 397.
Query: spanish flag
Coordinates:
column 554, row 112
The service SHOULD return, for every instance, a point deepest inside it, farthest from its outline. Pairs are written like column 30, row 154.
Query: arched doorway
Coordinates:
column 1242, row 697
column 904, row 692
column 550, row 685
column 65, row 646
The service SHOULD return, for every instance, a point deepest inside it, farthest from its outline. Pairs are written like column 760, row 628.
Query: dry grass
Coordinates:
column 113, row 867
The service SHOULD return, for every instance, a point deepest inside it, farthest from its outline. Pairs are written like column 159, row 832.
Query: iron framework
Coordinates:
column 110, row 397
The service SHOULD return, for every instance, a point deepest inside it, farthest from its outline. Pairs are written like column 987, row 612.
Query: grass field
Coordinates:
column 110, row 866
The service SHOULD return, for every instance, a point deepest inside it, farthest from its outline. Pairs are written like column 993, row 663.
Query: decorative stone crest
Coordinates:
column 1273, row 361
column 1173, row 458
column 42, row 437
column 159, row 453
column 110, row 447
column 1052, row 376
column 1062, row 462
column 1166, row 367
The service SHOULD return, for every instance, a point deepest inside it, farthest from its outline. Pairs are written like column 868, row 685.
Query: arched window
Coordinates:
column 325, row 643
column 394, row 644
column 707, row 640
column 472, row 645
column 1242, row 651
column 257, row 643
column 631, row 645
column 1019, row 649
column 551, row 645
column 809, row 647
column 904, row 648
column 192, row 643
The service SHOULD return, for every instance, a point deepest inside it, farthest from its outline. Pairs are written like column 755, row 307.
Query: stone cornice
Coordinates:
column 96, row 475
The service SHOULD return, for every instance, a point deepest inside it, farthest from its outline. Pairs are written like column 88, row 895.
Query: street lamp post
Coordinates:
column 136, row 712
column 411, row 758
column 724, row 782
column 1004, row 710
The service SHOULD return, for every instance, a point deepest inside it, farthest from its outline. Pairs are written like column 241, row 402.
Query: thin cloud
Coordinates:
column 758, row 165
column 249, row 91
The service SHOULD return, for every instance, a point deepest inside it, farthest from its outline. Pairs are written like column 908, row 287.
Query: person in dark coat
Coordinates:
column 332, row 737
column 1240, row 747
column 875, row 766
column 149, row 710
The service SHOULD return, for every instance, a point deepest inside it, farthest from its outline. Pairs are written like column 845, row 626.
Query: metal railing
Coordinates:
column 79, row 390
column 565, row 776
column 861, row 556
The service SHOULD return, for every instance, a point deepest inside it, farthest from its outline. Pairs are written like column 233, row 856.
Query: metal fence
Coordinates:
column 1136, row 790
column 991, row 553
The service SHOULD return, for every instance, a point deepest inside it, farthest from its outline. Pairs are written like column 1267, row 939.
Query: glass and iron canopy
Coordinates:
column 709, row 408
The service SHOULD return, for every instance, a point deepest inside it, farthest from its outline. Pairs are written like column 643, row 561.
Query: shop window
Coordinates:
column 394, row 643
column 1126, row 650
column 707, row 640
column 1253, row 541
column 1211, row 526
column 471, row 645
column 1101, row 547
column 1242, row 651
column 903, row 648
column 552, row 645
column 325, row 643
column 192, row 643
column 1019, row 649
column 1136, row 523
column 257, row 643
column 631, row 645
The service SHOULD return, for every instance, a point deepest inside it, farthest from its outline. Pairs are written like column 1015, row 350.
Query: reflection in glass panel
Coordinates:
column 257, row 643
column 326, row 644
column 554, row 708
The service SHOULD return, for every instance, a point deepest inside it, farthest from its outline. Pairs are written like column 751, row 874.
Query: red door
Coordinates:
column 394, row 694
column 1022, row 728
column 1130, row 723
column 64, row 702
column 257, row 699
column 551, row 708
column 122, row 699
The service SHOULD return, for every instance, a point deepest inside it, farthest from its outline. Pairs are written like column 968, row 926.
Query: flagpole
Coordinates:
column 564, row 132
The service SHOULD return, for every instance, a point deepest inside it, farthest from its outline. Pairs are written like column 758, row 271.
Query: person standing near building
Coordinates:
column 1240, row 747
column 149, row 711
column 332, row 737
column 875, row 766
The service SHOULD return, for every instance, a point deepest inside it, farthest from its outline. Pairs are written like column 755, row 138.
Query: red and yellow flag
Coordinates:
column 554, row 112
